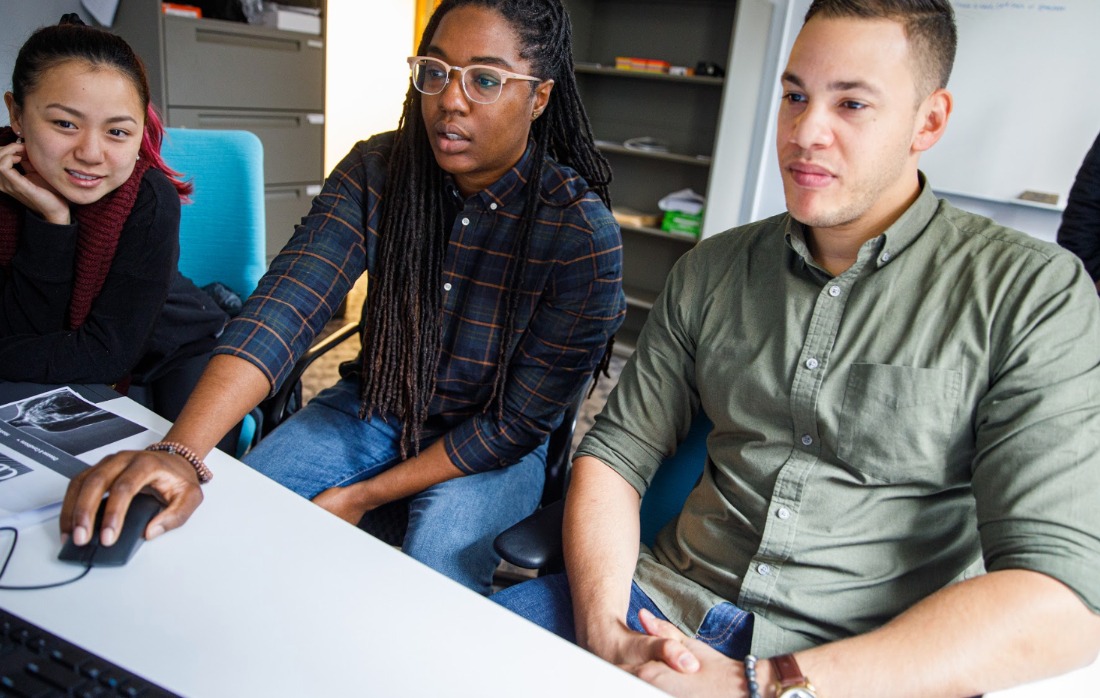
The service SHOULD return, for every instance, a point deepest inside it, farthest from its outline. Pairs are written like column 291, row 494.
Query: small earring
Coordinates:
column 18, row 136
column 138, row 157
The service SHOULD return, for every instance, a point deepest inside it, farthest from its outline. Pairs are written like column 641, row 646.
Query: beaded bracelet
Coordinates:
column 190, row 456
column 750, row 676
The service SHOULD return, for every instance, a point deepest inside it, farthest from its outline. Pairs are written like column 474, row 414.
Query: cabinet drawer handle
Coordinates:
column 214, row 36
column 228, row 121
column 282, row 194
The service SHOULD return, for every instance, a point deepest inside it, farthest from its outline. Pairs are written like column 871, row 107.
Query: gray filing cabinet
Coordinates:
column 210, row 73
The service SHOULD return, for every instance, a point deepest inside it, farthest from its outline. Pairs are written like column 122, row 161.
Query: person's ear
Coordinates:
column 542, row 98
column 932, row 117
column 13, row 112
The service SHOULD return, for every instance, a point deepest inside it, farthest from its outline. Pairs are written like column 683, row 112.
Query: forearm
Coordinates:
column 600, row 537
column 996, row 631
column 228, row 389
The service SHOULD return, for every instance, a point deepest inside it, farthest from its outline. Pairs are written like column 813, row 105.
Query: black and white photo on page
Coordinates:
column 48, row 438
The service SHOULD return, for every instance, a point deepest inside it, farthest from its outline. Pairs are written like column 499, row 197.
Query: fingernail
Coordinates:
column 108, row 536
column 688, row 662
column 155, row 531
column 80, row 535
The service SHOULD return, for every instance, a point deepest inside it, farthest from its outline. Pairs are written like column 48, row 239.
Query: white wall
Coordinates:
column 18, row 18
column 366, row 74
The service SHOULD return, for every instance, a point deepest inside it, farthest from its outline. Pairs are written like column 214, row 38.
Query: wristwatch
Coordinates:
column 790, row 683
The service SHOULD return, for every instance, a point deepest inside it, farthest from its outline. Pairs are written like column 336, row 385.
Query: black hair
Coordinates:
column 404, row 302
column 929, row 26
column 70, row 40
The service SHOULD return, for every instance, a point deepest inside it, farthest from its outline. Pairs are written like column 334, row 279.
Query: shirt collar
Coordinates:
column 892, row 242
column 504, row 191
column 910, row 225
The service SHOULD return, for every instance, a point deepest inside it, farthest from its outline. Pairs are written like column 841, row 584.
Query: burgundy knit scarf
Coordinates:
column 99, row 226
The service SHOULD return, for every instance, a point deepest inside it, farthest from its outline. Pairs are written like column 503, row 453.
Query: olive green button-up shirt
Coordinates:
column 933, row 410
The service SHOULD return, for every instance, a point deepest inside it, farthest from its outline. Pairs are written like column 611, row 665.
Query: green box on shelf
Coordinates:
column 680, row 222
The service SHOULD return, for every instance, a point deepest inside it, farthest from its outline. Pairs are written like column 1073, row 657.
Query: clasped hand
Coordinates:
column 678, row 664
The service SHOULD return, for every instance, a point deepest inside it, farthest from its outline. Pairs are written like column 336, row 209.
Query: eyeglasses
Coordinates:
column 481, row 83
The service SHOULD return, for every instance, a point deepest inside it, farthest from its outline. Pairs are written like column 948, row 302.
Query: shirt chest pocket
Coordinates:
column 898, row 422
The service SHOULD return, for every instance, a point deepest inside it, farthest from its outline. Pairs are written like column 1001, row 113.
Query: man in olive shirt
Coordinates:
column 904, row 396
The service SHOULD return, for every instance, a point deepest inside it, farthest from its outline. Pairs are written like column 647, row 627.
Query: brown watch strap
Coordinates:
column 788, row 672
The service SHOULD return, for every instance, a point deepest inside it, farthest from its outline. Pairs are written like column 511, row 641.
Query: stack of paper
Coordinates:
column 292, row 18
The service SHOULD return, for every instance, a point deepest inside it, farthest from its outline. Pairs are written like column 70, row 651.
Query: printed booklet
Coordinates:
column 48, row 438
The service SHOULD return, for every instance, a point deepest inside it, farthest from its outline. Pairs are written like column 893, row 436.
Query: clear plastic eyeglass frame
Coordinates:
column 480, row 83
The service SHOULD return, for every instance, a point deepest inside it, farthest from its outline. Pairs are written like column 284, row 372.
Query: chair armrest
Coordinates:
column 274, row 408
column 535, row 542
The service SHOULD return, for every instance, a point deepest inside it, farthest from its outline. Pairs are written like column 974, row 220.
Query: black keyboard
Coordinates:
column 35, row 663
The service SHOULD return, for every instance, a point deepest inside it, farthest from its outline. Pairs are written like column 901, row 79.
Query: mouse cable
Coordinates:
column 36, row 587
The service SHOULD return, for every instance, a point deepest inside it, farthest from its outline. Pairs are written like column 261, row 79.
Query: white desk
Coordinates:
column 264, row 594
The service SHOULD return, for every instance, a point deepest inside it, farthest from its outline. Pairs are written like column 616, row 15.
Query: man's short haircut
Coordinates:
column 929, row 26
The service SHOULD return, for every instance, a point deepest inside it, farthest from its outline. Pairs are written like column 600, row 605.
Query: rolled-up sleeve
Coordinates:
column 1036, row 473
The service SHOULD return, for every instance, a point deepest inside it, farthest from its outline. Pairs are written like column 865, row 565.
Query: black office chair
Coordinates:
column 535, row 543
column 389, row 522
column 288, row 398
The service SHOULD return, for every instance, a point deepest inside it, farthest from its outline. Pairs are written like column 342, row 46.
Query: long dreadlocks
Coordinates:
column 404, row 304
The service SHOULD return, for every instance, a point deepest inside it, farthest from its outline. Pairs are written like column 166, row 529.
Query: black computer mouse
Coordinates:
column 142, row 510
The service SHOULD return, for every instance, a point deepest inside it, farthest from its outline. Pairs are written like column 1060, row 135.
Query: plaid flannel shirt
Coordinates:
column 571, row 305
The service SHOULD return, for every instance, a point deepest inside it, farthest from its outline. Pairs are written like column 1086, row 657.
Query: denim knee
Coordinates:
column 545, row 601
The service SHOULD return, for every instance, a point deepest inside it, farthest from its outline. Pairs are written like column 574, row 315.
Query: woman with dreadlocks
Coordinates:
column 495, row 288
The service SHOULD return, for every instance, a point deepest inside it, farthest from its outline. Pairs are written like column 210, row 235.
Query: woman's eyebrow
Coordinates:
column 80, row 115
column 437, row 52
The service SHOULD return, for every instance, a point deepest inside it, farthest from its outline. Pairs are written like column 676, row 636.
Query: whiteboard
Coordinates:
column 1026, row 104
column 1027, row 108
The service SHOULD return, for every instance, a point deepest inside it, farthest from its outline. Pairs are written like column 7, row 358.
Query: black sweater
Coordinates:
column 1080, row 230
column 130, row 327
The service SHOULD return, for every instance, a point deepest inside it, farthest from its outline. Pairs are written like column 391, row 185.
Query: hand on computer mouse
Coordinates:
column 98, row 551
column 171, row 477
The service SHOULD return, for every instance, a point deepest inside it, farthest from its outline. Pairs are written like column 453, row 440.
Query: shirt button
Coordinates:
column 447, row 286
column 807, row 440
column 764, row 569
column 834, row 291
column 493, row 206
column 885, row 257
column 811, row 363
column 783, row 513
column 465, row 221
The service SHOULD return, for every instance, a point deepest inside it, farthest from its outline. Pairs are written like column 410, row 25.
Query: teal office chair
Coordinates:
column 222, row 229
column 535, row 543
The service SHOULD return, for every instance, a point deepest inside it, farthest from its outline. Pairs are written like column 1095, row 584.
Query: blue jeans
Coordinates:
column 451, row 525
column 546, row 601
